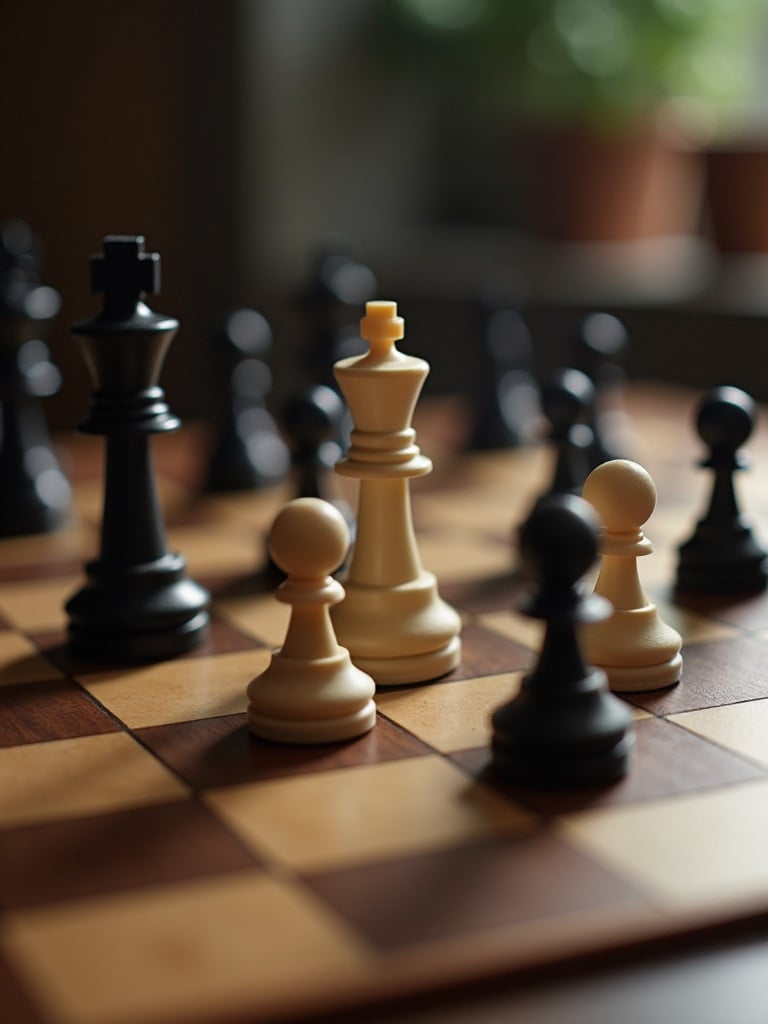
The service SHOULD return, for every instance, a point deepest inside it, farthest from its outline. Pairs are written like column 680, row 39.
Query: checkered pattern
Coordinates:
column 158, row 864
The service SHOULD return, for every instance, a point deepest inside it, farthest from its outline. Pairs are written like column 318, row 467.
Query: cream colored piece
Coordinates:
column 636, row 649
column 393, row 620
column 310, row 692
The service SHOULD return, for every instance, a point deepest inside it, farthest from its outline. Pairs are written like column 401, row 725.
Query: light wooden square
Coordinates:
column 697, row 851
column 218, row 548
column 37, row 606
column 742, row 727
column 515, row 626
column 21, row 662
column 84, row 775
column 349, row 815
column 178, row 691
column 260, row 616
column 76, row 541
column 256, row 509
column 181, row 952
column 457, row 715
column 466, row 556
column 451, row 716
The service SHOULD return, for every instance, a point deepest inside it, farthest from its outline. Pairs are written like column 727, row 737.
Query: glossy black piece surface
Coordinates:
column 723, row 555
column 138, row 602
column 563, row 728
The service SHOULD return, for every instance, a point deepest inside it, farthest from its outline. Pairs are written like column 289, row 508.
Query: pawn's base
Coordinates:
column 554, row 740
column 722, row 560
column 527, row 768
column 146, row 612
column 622, row 679
column 302, row 700
column 635, row 648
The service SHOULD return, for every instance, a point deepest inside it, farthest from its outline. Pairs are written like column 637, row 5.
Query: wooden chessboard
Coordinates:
column 159, row 865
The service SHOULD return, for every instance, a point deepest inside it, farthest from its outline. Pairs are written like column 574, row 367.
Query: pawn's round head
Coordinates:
column 566, row 397
column 309, row 538
column 725, row 418
column 313, row 416
column 623, row 494
column 559, row 540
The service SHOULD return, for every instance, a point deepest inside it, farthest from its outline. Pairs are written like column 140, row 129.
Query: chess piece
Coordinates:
column 36, row 493
column 601, row 342
column 506, row 405
column 340, row 284
column 637, row 650
column 393, row 621
column 566, row 400
column 138, row 602
column 310, row 692
column 723, row 555
column 563, row 728
column 312, row 420
column 249, row 453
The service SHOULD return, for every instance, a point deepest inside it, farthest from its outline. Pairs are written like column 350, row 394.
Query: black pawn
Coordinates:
column 249, row 453
column 564, row 728
column 339, row 286
column 601, row 344
column 505, row 405
column 723, row 555
column 36, row 493
column 138, row 602
column 566, row 401
column 311, row 421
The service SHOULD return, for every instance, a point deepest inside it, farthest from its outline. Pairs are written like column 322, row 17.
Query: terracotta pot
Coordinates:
column 737, row 197
column 585, row 186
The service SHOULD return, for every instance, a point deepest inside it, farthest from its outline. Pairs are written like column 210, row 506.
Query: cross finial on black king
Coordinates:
column 124, row 273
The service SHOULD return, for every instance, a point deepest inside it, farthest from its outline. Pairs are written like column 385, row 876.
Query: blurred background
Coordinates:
column 588, row 154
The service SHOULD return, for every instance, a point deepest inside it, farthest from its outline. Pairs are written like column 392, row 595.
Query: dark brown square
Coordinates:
column 487, row 653
column 669, row 761
column 486, row 594
column 714, row 673
column 83, row 857
column 51, row 710
column 222, row 752
column 745, row 611
column 16, row 1006
column 221, row 638
column 466, row 890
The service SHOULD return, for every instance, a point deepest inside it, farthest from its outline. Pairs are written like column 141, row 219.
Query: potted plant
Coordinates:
column 605, row 99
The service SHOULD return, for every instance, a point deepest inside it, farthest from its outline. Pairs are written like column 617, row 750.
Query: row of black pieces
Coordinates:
column 248, row 451
column 36, row 492
column 506, row 401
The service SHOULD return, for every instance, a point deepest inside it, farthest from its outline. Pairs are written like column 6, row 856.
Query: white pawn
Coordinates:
column 310, row 692
column 636, row 649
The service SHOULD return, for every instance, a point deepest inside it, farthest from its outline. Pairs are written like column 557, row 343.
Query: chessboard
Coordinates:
column 158, row 864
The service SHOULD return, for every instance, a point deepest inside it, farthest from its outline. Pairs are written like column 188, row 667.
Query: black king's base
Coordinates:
column 137, row 613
